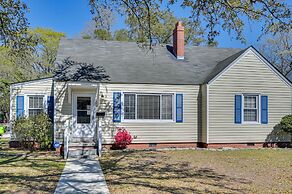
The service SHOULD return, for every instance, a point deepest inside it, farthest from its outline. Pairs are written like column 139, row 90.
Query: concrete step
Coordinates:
column 82, row 144
column 82, row 152
column 82, row 139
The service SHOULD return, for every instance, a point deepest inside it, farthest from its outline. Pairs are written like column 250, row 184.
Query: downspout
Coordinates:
column 207, row 113
column 54, row 117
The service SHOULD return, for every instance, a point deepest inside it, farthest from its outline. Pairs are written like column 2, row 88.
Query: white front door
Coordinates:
column 84, row 117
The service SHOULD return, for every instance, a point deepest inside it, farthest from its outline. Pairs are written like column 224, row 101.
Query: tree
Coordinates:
column 24, row 54
column 90, row 32
column 104, row 18
column 122, row 35
column 278, row 50
column 227, row 14
column 4, row 100
column 162, row 26
column 46, row 49
column 100, row 27
column 14, row 26
column 35, row 63
column 101, row 34
column 286, row 124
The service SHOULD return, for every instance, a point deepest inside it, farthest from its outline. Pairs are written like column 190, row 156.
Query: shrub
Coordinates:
column 37, row 129
column 286, row 124
column 122, row 139
column 2, row 130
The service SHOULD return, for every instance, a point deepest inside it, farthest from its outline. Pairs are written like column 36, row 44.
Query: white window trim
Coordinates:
column 258, row 112
column 26, row 102
column 148, row 120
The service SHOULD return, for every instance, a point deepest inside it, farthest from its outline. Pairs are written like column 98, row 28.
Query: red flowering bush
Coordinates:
column 122, row 138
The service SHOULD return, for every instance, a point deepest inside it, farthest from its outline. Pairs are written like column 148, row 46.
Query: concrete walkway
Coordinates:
column 82, row 175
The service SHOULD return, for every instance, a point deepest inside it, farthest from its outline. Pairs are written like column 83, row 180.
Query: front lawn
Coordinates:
column 199, row 171
column 25, row 172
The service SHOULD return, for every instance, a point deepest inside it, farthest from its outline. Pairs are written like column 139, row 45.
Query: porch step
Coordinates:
column 82, row 149
column 78, row 153
column 82, row 144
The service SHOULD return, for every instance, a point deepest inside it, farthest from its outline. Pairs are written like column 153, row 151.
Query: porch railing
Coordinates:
column 66, row 142
column 99, row 138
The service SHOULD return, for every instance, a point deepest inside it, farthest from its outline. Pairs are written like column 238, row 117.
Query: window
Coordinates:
column 166, row 101
column 251, row 108
column 35, row 105
column 129, row 106
column 148, row 106
column 83, row 110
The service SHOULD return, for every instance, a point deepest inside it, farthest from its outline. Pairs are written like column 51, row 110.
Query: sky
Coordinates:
column 71, row 16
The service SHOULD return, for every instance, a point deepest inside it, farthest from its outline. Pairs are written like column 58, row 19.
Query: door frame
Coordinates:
column 93, row 111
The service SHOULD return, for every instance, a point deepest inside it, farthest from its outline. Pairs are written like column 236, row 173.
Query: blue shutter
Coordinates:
column 50, row 104
column 117, row 106
column 19, row 106
column 179, row 108
column 264, row 110
column 237, row 109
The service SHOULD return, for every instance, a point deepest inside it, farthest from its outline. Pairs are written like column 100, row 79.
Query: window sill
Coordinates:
column 251, row 123
column 147, row 121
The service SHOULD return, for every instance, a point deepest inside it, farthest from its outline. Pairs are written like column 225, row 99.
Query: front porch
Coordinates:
column 77, row 123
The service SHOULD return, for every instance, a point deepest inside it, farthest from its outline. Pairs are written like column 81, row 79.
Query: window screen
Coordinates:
column 251, row 108
column 35, row 105
column 166, row 109
column 129, row 106
column 148, row 106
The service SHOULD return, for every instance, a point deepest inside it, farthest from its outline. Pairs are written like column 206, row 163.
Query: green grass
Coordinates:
column 199, row 171
column 26, row 172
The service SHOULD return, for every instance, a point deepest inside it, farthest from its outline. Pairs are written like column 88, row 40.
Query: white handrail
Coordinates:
column 66, row 143
column 99, row 136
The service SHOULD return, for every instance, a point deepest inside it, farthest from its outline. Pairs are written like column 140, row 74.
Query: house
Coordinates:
column 171, row 96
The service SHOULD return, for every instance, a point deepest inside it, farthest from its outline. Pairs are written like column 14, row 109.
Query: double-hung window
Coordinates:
column 148, row 106
column 35, row 105
column 251, row 108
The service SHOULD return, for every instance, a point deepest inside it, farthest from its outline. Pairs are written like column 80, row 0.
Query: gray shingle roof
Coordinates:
column 126, row 62
column 223, row 64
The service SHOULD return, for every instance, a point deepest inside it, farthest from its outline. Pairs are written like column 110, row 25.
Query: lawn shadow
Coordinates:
column 29, row 173
column 154, row 171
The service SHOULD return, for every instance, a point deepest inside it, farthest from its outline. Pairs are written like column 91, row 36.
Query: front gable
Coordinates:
column 249, row 63
column 249, row 75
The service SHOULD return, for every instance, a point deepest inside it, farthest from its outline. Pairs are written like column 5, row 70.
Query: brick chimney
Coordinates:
column 179, row 41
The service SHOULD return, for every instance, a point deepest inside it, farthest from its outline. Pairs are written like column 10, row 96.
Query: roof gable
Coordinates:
column 229, row 62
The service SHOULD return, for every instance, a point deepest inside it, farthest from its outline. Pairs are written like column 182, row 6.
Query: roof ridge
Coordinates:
column 131, row 42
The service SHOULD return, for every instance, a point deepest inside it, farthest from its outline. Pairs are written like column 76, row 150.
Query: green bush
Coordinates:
column 2, row 130
column 286, row 124
column 37, row 129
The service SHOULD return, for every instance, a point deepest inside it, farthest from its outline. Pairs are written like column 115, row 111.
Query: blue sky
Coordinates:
column 71, row 16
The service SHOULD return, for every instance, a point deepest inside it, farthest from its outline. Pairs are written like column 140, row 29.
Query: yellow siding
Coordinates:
column 63, row 110
column 43, row 86
column 155, row 131
column 248, row 75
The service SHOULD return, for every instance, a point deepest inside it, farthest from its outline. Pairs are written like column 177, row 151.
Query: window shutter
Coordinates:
column 237, row 109
column 19, row 106
column 50, row 104
column 117, row 105
column 264, row 109
column 179, row 108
